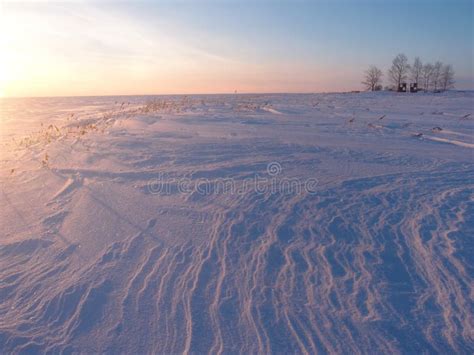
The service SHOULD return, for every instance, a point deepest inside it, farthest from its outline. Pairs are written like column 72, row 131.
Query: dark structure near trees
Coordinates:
column 402, row 87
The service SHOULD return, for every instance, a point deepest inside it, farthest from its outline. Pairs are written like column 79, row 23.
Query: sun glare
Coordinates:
column 3, row 62
column 3, row 77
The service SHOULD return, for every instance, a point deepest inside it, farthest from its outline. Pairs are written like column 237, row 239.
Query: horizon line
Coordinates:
column 217, row 93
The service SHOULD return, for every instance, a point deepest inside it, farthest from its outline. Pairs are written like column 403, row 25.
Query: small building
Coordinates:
column 402, row 87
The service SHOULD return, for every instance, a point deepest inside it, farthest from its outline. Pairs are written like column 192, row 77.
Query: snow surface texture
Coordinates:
column 377, row 257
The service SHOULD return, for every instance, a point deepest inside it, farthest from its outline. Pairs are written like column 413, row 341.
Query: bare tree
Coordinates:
column 437, row 70
column 399, row 70
column 447, row 77
column 427, row 74
column 416, row 70
column 373, row 78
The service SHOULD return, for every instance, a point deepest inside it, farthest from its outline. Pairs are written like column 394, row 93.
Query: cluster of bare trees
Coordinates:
column 437, row 76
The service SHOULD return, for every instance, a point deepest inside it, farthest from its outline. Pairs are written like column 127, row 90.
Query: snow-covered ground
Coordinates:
column 238, row 223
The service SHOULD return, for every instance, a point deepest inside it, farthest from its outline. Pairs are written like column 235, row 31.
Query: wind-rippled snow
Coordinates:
column 378, row 258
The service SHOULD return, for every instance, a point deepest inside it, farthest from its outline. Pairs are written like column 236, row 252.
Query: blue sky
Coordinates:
column 144, row 47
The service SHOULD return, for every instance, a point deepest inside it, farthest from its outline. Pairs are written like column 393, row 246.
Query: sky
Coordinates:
column 71, row 48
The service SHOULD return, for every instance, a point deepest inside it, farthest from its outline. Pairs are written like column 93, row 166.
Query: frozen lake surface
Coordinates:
column 238, row 224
